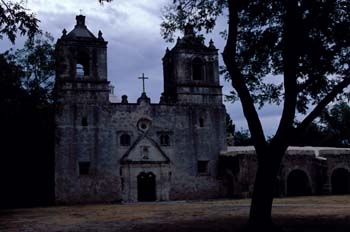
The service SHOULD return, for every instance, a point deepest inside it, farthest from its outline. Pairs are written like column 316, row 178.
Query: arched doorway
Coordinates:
column 298, row 184
column 229, row 183
column 340, row 181
column 146, row 187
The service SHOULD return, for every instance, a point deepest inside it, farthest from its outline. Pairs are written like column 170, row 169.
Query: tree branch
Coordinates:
column 3, row 2
column 322, row 105
column 290, row 57
column 238, row 83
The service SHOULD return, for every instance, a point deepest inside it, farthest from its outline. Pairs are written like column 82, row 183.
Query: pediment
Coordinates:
column 145, row 150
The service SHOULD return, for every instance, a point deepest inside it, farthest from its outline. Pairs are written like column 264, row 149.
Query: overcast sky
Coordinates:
column 135, row 46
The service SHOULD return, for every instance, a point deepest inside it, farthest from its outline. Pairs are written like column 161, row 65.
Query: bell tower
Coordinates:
column 81, row 63
column 82, row 95
column 191, row 73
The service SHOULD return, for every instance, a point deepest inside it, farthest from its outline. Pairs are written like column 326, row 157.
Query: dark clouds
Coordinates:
column 135, row 45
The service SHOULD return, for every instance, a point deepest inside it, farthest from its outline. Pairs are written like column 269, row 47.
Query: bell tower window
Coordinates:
column 82, row 65
column 201, row 122
column 197, row 69
column 79, row 70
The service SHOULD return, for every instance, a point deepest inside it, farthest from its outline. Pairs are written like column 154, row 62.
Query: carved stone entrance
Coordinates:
column 145, row 171
column 146, row 187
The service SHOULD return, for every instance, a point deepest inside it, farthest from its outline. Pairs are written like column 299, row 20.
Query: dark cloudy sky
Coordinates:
column 135, row 45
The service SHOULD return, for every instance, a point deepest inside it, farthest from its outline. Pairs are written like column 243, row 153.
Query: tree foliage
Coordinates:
column 10, row 82
column 336, row 123
column 243, row 138
column 37, row 61
column 26, row 121
column 15, row 18
column 315, row 135
column 202, row 14
column 330, row 130
column 230, row 127
column 321, row 35
column 26, row 111
column 294, row 53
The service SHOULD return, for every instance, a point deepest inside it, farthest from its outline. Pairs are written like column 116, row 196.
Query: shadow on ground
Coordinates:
column 319, row 215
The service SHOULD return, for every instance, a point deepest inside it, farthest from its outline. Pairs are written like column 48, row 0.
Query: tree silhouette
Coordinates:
column 14, row 18
column 335, row 122
column 289, row 52
column 26, row 121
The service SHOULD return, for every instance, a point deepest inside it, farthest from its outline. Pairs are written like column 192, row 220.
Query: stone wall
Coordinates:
column 308, row 168
column 98, row 143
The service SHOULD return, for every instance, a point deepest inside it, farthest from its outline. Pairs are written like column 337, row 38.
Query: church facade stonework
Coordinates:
column 141, row 151
column 111, row 151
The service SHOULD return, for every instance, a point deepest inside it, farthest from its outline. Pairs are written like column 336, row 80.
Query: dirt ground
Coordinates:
column 309, row 214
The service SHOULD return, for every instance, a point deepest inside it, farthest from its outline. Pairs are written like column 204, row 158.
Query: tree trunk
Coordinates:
column 264, row 186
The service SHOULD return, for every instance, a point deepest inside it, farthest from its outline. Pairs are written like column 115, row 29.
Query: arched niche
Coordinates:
column 340, row 181
column 298, row 183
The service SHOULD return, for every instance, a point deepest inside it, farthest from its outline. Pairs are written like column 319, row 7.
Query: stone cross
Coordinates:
column 143, row 78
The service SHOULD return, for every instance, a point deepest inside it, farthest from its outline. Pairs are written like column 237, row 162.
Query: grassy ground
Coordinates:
column 311, row 214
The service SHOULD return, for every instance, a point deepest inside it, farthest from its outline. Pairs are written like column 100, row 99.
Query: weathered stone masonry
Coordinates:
column 107, row 151
column 137, row 151
column 304, row 171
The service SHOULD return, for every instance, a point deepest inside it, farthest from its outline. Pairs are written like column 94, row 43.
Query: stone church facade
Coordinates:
column 108, row 151
column 141, row 151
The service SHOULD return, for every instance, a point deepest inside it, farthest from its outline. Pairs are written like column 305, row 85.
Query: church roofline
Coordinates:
column 94, row 81
column 191, row 43
column 80, row 32
column 181, row 50
column 196, row 84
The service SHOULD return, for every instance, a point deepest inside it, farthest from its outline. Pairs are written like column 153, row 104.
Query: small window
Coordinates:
column 164, row 140
column 202, row 167
column 201, row 122
column 144, row 152
column 84, row 121
column 84, row 168
column 197, row 69
column 124, row 140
